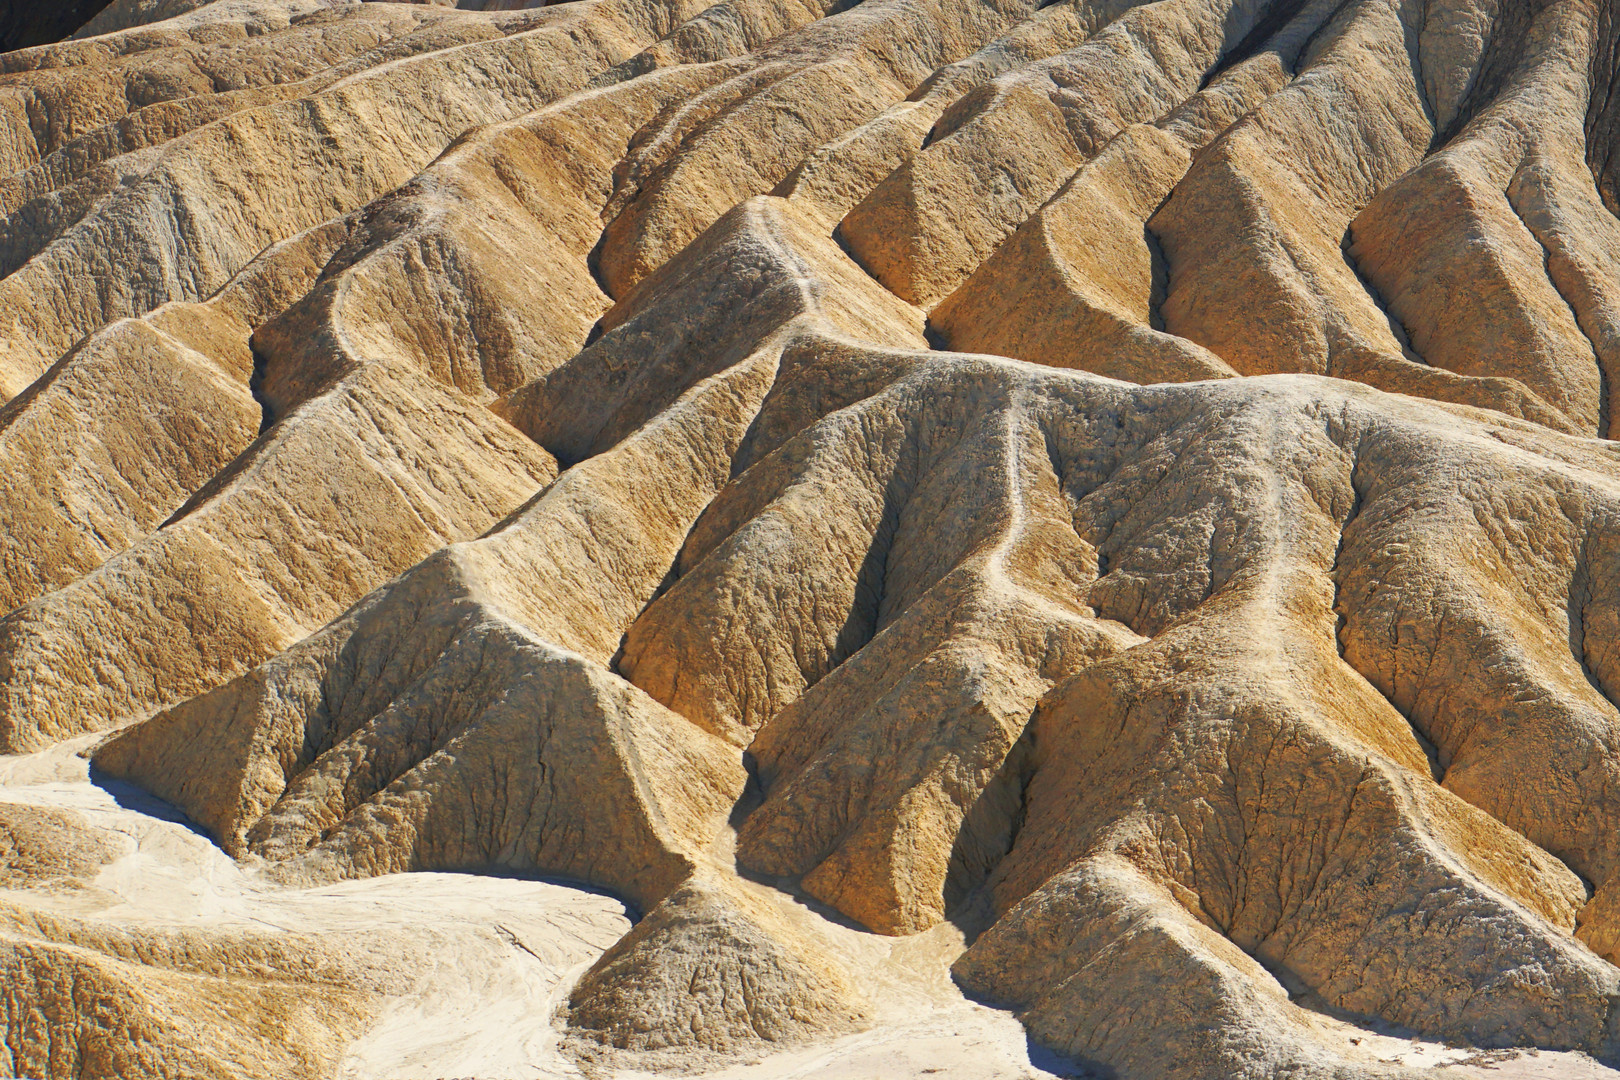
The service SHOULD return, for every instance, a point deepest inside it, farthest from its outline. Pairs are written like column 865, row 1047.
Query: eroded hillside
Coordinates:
column 1112, row 501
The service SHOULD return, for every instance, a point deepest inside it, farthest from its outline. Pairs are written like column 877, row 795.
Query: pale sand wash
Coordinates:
column 493, row 952
column 497, row 954
column 501, row 953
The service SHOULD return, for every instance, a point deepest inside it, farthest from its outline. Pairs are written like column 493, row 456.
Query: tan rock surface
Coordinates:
column 124, row 428
column 715, row 969
column 364, row 478
column 41, row 846
column 448, row 448
column 457, row 648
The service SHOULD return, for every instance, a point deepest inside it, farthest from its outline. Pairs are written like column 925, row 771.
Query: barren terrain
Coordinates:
column 780, row 539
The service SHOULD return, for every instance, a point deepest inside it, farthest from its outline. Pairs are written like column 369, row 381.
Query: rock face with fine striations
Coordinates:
column 1110, row 501
column 715, row 970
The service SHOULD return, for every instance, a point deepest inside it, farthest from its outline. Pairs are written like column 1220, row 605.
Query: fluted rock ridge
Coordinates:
column 1105, row 508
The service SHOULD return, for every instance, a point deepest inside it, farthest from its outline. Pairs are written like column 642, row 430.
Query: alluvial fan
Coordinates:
column 890, row 519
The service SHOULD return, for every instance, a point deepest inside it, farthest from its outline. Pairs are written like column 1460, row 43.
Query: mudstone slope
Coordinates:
column 1121, row 492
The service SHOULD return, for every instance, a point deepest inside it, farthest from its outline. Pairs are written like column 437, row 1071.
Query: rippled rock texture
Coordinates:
column 1132, row 480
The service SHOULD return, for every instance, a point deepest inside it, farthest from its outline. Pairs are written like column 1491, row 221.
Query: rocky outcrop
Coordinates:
column 119, row 433
column 71, row 1012
column 714, row 970
column 1110, row 498
column 44, row 846
column 464, row 651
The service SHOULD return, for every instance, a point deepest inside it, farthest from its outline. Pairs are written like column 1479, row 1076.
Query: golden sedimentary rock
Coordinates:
column 635, row 535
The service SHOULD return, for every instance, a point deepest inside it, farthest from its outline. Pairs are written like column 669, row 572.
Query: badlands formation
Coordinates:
column 766, row 538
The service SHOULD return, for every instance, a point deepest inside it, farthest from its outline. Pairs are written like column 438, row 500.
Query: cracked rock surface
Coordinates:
column 776, row 538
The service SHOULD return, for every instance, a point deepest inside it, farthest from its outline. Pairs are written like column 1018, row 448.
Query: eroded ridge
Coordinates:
column 1111, row 498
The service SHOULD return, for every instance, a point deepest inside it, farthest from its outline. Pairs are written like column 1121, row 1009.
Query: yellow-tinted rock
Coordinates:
column 711, row 969
column 123, row 429
column 523, row 443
